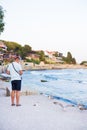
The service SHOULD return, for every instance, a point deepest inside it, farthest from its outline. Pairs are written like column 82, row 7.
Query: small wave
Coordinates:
column 66, row 100
column 50, row 77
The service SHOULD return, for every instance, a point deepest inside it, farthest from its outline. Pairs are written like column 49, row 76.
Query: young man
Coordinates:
column 15, row 70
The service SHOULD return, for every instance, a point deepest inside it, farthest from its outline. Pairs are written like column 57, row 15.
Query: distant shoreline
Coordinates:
column 53, row 66
column 45, row 67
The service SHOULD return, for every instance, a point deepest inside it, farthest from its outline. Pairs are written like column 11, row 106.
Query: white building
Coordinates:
column 3, row 46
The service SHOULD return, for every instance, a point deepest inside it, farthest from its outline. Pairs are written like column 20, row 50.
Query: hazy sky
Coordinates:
column 57, row 25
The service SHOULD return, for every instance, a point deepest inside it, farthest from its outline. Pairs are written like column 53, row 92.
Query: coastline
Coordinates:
column 52, row 66
column 45, row 67
column 36, row 68
column 5, row 92
column 39, row 112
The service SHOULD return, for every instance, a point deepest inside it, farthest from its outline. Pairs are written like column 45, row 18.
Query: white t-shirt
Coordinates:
column 13, row 73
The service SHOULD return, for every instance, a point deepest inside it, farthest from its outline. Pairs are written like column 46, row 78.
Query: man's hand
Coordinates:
column 8, row 72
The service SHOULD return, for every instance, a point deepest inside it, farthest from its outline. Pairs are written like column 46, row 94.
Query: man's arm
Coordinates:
column 20, row 72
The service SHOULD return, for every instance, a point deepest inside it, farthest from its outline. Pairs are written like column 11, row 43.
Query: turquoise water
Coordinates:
column 69, row 85
column 66, row 84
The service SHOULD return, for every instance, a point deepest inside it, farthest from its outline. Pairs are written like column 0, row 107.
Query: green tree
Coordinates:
column 25, row 50
column 69, row 59
column 73, row 61
column 56, row 54
column 83, row 63
column 12, row 46
column 41, row 54
column 2, row 24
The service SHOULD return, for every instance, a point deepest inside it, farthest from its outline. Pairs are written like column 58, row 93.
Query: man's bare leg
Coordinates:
column 17, row 98
column 12, row 97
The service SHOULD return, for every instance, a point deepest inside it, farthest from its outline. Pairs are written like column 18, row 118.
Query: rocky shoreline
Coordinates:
column 53, row 66
column 30, row 66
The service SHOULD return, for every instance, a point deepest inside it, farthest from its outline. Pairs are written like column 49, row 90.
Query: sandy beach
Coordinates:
column 40, row 112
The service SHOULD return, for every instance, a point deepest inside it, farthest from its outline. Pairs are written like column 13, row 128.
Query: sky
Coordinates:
column 53, row 25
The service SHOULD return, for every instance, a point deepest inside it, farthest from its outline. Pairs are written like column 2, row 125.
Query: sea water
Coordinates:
column 69, row 85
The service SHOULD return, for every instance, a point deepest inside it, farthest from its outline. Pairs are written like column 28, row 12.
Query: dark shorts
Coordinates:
column 16, row 85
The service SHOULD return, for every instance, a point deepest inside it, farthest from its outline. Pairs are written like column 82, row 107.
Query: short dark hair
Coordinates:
column 17, row 57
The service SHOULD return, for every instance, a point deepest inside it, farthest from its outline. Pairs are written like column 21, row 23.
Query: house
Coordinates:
column 1, row 57
column 3, row 46
column 33, row 55
column 51, row 55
